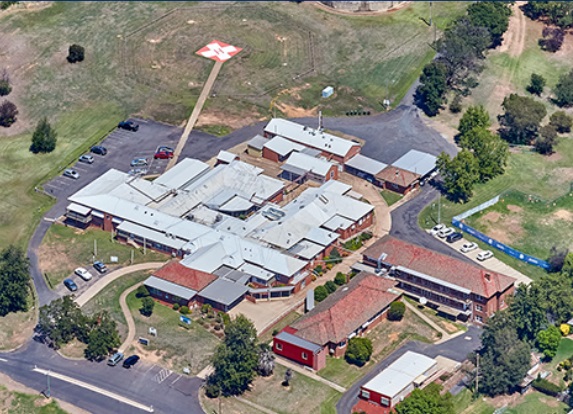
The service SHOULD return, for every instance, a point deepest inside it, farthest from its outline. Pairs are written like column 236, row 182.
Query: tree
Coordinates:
column 75, row 54
column 320, row 293
column 61, row 321
column 456, row 104
column 266, row 361
column 536, row 84
column 235, row 360
column 430, row 93
column 552, row 39
column 340, row 279
column 548, row 341
column 5, row 87
column 567, row 269
column 557, row 259
column 8, row 114
column 288, row 377
column 546, row 140
column 475, row 117
column 396, row 311
column 556, row 297
column 564, row 90
column 330, row 287
column 14, row 280
column 428, row 400
column 5, row 4
column 44, row 138
column 335, row 256
column 489, row 150
column 459, row 174
column 561, row 122
column 521, row 119
column 528, row 317
column 143, row 292
column 147, row 305
column 553, row 12
column 103, row 338
column 358, row 351
column 494, row 16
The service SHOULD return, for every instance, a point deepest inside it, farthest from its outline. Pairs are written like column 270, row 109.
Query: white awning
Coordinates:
column 98, row 214
column 76, row 208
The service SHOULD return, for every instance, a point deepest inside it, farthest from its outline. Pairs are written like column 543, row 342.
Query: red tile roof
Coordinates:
column 439, row 266
column 397, row 176
column 345, row 310
column 175, row 272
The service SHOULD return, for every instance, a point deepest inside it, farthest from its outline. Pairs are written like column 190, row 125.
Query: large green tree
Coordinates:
column 559, row 13
column 556, row 297
column 490, row 151
column 528, row 316
column 103, row 337
column 475, row 117
column 494, row 16
column 430, row 93
column 561, row 122
column 521, row 119
column 14, row 280
column 61, row 321
column 459, row 174
column 235, row 360
column 359, row 351
column 44, row 138
column 564, row 90
column 546, row 140
column 548, row 341
column 427, row 401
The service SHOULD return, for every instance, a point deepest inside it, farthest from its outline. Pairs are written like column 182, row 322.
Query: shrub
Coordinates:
column 226, row 319
column 564, row 90
column 340, row 279
column 206, row 308
column 320, row 293
column 564, row 328
column 456, row 105
column 546, row 387
column 318, row 270
column 76, row 53
column 359, row 351
column 44, row 138
column 184, row 310
column 8, row 114
column 552, row 39
column 142, row 292
column 5, row 4
column 561, row 122
column 335, row 256
column 176, row 306
column 212, row 391
column 330, row 287
column 365, row 236
column 5, row 87
column 147, row 305
column 536, row 84
column 275, row 332
column 396, row 311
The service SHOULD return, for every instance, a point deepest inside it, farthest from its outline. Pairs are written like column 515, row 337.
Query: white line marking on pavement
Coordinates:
column 95, row 389
column 3, row 360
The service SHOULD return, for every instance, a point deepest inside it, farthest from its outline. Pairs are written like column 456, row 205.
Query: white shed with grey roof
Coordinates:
column 417, row 162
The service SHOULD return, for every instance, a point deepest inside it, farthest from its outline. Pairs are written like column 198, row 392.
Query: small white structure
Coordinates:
column 327, row 92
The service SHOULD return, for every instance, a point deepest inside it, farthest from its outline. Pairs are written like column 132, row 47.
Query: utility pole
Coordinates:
column 440, row 209
column 48, row 390
column 430, row 14
column 477, row 374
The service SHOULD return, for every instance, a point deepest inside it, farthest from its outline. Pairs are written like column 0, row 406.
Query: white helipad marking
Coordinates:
column 219, row 51
column 93, row 388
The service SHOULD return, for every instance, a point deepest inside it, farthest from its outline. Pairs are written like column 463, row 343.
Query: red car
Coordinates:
column 163, row 155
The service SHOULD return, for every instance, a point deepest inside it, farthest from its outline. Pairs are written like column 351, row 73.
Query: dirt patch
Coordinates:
column 556, row 156
column 393, row 337
column 514, row 209
column 154, row 357
column 563, row 215
column 560, row 176
column 492, row 217
column 292, row 111
column 214, row 117
column 449, row 327
column 514, row 38
column 507, row 228
column 51, row 257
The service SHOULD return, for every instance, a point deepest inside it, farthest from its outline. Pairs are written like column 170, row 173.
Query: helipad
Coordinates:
column 218, row 51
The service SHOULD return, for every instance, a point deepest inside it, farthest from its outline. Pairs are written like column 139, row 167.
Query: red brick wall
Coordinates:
column 270, row 155
column 107, row 222
column 367, row 221
column 353, row 151
column 375, row 397
column 277, row 198
column 332, row 171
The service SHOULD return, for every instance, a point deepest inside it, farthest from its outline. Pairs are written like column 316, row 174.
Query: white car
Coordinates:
column 468, row 247
column 484, row 255
column 83, row 273
column 442, row 234
column 71, row 173
column 436, row 229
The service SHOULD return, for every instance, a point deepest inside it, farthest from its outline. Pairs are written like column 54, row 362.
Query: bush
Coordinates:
column 5, row 4
column 206, row 308
column 564, row 90
column 340, row 279
column 546, row 140
column 8, row 113
column 359, row 351
column 44, row 138
column 396, row 311
column 330, row 287
column 456, row 105
column 320, row 293
column 176, row 307
column 552, row 39
column 365, row 236
column 561, row 122
column 546, row 387
column 212, row 391
column 536, row 84
column 275, row 332
column 147, row 305
column 565, row 329
column 184, row 310
column 319, row 270
column 335, row 256
column 5, row 87
column 76, row 53
column 142, row 292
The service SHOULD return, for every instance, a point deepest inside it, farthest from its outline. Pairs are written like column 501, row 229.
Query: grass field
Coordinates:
column 17, row 328
column 66, row 248
column 19, row 403
column 390, row 197
column 532, row 403
column 564, row 351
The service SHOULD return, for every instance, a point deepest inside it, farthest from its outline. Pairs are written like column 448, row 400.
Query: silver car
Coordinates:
column 86, row 158
column 71, row 173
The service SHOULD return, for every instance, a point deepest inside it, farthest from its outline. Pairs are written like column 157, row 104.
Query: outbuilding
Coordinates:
column 366, row 168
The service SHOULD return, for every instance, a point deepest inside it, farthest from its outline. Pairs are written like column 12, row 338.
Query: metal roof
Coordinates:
column 295, row 340
column 171, row 288
column 257, row 142
column 368, row 165
column 306, row 249
column 282, row 146
column 151, row 235
column 310, row 137
column 294, row 170
column 223, row 291
column 306, row 162
column 417, row 162
column 400, row 374
column 226, row 156
column 76, row 208
column 183, row 173
column 236, row 204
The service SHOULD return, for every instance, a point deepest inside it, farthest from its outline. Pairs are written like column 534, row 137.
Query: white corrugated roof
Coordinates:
column 76, row 208
column 418, row 162
column 337, row 222
column 310, row 137
column 368, row 165
column 257, row 142
column 168, row 287
column 151, row 235
column 307, row 163
column 400, row 374
column 282, row 146
column 183, row 173
column 226, row 156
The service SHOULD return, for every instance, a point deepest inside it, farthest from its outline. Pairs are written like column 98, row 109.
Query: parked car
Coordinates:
column 163, row 155
column 86, row 158
column 71, row 285
column 445, row 232
column 128, row 125
column 138, row 162
column 131, row 361
column 484, row 255
column 454, row 237
column 100, row 266
column 164, row 148
column 98, row 149
column 436, row 229
column 115, row 359
column 468, row 247
column 70, row 172
column 83, row 273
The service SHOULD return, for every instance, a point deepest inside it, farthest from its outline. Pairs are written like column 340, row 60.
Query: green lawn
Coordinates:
column 391, row 197
column 19, row 403
column 178, row 347
column 229, row 405
column 287, row 320
column 463, row 403
column 532, row 403
column 65, row 248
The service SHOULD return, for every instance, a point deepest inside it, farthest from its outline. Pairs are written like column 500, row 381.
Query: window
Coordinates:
column 279, row 346
column 385, row 401
column 479, row 308
column 332, row 174
column 304, row 356
column 479, row 318
column 365, row 394
column 342, row 344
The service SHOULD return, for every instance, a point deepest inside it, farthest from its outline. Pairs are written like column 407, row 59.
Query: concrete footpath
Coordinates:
column 311, row 374
column 128, row 317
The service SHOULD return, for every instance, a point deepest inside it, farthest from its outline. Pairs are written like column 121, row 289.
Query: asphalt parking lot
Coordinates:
column 83, row 285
